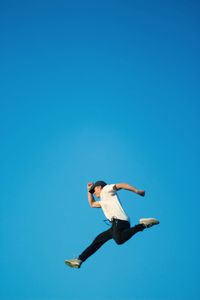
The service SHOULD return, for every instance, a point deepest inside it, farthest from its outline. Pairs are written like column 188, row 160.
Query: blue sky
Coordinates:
column 99, row 90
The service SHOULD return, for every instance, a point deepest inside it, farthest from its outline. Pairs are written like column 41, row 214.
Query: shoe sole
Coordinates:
column 69, row 264
column 150, row 224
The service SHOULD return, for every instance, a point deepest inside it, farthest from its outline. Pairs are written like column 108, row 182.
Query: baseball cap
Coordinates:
column 97, row 183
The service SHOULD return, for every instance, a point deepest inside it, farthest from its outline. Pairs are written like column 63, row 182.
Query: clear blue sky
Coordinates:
column 99, row 90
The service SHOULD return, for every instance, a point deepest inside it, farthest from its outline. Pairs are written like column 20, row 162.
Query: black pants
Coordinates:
column 120, row 231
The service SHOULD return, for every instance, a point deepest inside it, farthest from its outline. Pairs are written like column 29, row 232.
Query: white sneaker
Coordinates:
column 74, row 263
column 149, row 222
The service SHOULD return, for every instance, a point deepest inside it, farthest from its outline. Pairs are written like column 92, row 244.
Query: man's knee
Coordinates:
column 119, row 241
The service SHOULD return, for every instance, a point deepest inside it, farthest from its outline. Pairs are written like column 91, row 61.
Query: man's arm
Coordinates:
column 128, row 187
column 91, row 199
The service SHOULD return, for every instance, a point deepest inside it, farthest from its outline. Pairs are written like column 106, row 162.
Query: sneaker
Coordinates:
column 149, row 222
column 73, row 263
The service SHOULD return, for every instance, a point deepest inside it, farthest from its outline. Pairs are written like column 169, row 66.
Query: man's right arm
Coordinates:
column 129, row 187
column 91, row 199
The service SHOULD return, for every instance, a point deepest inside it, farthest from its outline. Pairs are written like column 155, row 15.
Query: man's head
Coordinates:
column 97, row 187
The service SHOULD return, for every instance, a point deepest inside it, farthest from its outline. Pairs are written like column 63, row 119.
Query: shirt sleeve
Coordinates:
column 110, row 188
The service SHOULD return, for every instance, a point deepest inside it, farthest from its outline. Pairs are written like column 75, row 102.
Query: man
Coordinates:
column 120, row 230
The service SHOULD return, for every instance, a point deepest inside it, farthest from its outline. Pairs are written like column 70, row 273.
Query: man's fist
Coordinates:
column 89, row 185
column 141, row 193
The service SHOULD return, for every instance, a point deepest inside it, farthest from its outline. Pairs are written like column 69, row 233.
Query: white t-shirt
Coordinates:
column 111, row 205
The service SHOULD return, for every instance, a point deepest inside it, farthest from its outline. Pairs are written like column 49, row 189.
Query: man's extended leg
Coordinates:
column 101, row 239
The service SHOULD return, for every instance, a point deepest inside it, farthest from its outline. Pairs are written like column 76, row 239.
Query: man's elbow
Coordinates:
column 95, row 205
column 92, row 204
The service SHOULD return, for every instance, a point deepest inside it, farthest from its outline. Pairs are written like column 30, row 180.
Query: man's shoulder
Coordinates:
column 109, row 186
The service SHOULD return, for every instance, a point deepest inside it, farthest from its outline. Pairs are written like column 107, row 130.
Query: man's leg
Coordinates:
column 101, row 239
column 122, row 231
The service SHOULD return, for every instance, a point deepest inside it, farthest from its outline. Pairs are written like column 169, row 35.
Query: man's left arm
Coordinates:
column 130, row 188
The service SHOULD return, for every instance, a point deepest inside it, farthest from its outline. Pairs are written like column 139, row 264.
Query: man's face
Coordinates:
column 97, row 191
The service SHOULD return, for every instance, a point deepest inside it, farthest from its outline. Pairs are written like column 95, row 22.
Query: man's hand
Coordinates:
column 92, row 202
column 89, row 185
column 141, row 193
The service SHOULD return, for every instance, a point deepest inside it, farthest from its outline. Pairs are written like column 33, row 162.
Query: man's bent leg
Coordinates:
column 101, row 239
column 122, row 231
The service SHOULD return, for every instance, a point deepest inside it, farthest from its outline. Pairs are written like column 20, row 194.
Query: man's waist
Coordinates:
column 114, row 220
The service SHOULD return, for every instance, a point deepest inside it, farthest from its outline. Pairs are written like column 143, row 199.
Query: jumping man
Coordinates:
column 120, row 230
